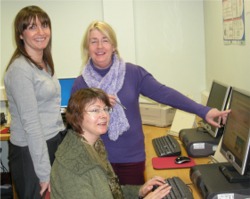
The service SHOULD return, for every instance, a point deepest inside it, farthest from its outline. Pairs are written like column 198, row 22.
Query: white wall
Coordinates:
column 69, row 21
column 164, row 36
column 228, row 63
column 170, row 43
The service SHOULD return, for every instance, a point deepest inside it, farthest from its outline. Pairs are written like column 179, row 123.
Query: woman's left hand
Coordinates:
column 112, row 100
column 215, row 113
column 159, row 193
column 45, row 186
column 148, row 186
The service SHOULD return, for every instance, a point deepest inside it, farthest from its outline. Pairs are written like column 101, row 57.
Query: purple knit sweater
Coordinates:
column 129, row 147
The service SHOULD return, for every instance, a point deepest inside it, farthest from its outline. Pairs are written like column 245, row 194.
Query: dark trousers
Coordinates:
column 22, row 170
column 130, row 173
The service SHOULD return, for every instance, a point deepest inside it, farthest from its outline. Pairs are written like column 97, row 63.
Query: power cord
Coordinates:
column 3, row 168
column 3, row 120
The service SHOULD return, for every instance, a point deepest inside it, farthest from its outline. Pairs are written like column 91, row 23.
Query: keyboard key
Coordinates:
column 166, row 146
column 179, row 189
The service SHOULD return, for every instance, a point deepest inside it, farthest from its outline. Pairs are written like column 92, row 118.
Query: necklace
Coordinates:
column 42, row 65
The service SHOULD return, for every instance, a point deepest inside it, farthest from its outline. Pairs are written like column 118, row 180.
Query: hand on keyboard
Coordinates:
column 161, row 192
column 179, row 190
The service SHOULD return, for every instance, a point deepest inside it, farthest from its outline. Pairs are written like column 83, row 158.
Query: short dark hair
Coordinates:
column 77, row 104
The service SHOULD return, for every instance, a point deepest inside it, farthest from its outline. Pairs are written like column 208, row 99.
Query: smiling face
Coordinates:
column 36, row 37
column 95, row 120
column 100, row 49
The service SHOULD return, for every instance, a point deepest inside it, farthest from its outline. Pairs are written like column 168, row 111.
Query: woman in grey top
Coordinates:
column 34, row 97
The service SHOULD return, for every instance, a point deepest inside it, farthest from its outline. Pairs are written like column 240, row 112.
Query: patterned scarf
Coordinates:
column 111, row 83
column 112, row 178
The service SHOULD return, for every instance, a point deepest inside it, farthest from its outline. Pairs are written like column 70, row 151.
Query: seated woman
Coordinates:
column 81, row 168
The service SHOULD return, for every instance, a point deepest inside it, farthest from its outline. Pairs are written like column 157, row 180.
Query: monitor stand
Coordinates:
column 232, row 175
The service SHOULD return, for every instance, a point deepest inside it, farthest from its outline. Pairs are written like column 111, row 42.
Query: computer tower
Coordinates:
column 212, row 184
column 198, row 142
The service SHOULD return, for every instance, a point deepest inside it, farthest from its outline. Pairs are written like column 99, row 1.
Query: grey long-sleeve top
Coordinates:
column 34, row 98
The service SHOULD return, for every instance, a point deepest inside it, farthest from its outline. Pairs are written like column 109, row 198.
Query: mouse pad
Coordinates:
column 169, row 163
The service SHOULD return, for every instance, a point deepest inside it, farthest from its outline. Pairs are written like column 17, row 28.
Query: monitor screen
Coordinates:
column 218, row 98
column 66, row 86
column 236, row 136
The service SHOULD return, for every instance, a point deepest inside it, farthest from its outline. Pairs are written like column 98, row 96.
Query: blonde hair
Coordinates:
column 105, row 29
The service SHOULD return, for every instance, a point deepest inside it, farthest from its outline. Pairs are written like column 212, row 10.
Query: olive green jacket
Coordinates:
column 76, row 174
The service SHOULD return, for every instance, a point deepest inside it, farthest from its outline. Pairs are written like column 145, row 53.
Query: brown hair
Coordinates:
column 78, row 102
column 22, row 21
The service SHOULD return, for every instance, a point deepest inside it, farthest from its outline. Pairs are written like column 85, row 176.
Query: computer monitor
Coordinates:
column 236, row 137
column 66, row 86
column 218, row 98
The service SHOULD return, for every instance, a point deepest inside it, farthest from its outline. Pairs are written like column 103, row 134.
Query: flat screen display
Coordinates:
column 236, row 136
column 218, row 98
column 66, row 86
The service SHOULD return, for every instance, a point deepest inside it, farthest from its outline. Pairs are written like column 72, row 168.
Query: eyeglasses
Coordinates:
column 97, row 111
column 96, row 42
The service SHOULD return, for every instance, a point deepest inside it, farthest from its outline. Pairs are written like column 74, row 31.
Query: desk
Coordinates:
column 4, row 136
column 152, row 132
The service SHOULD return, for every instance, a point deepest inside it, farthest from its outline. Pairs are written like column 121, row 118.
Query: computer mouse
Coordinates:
column 182, row 159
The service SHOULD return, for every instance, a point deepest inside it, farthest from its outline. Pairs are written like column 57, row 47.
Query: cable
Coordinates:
column 213, row 160
column 188, row 185
column 3, row 168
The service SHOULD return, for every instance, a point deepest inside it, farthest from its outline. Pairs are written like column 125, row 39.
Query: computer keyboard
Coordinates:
column 166, row 146
column 179, row 189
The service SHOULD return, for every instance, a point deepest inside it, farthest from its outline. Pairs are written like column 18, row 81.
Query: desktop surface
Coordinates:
column 152, row 132
column 4, row 135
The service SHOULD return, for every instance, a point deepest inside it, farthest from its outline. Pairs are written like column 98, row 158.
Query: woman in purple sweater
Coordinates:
column 124, row 82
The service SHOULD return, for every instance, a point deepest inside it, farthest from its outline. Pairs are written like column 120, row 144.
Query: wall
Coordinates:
column 69, row 21
column 228, row 63
column 165, row 36
column 170, row 43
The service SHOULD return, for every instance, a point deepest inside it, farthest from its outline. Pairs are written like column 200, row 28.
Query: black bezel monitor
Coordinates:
column 236, row 136
column 218, row 98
